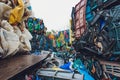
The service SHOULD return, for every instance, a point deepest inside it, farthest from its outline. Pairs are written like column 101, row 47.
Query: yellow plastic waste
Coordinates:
column 61, row 38
column 17, row 13
column 56, row 68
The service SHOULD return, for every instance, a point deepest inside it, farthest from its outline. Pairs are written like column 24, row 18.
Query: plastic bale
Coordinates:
column 8, row 41
column 30, row 24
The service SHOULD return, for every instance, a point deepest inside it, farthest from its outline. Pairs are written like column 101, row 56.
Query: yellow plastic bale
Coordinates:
column 17, row 13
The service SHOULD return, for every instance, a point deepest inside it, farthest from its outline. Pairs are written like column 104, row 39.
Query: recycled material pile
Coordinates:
column 14, row 36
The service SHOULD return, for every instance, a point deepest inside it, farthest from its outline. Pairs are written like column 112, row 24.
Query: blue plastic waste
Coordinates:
column 102, row 24
column 38, row 78
column 29, row 7
column 66, row 66
column 89, row 14
column 82, row 70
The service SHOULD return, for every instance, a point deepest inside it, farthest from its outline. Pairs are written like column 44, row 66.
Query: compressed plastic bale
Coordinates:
column 23, row 31
column 4, row 43
column 12, row 41
column 30, row 24
column 26, row 37
column 17, row 13
column 4, row 11
column 17, row 31
column 27, row 44
column 22, row 46
column 28, row 34
column 6, row 26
